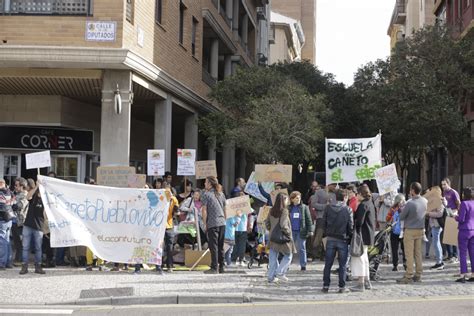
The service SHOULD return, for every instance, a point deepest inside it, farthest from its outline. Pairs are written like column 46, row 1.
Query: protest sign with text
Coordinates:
column 39, row 159
column 251, row 187
column 387, row 179
column 241, row 203
column 352, row 159
column 206, row 168
column 263, row 214
column 434, row 197
column 450, row 234
column 114, row 176
column 156, row 162
column 274, row 173
column 118, row 225
column 136, row 181
column 186, row 162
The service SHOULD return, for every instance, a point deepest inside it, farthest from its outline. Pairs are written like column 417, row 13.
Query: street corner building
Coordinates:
column 98, row 82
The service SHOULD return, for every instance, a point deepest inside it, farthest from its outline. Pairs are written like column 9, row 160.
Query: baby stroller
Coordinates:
column 259, row 255
column 378, row 251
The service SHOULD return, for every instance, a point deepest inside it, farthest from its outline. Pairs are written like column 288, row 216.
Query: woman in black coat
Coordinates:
column 364, row 222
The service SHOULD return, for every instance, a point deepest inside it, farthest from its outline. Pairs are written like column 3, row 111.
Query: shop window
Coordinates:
column 66, row 167
column 11, row 168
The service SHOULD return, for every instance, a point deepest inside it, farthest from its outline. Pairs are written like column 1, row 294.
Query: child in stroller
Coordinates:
column 380, row 250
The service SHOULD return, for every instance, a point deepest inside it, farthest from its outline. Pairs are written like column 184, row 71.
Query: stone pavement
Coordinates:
column 64, row 286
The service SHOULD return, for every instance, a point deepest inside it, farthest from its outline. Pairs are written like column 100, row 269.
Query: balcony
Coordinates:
column 46, row 7
column 207, row 78
column 399, row 13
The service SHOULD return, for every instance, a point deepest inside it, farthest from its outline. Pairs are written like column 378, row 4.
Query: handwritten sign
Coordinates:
column 275, row 173
column 352, row 159
column 241, row 203
column 387, row 179
column 450, row 235
column 118, row 225
column 114, row 176
column 39, row 159
column 434, row 198
column 263, row 214
column 252, row 188
column 155, row 162
column 186, row 162
column 136, row 181
column 206, row 168
column 274, row 194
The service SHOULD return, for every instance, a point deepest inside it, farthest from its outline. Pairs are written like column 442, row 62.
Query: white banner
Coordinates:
column 387, row 179
column 252, row 188
column 186, row 162
column 118, row 225
column 156, row 162
column 352, row 159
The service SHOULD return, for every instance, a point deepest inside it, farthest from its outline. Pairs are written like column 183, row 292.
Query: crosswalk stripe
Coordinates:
column 36, row 311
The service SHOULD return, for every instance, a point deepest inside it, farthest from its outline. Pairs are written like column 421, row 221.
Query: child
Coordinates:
column 238, row 255
column 229, row 238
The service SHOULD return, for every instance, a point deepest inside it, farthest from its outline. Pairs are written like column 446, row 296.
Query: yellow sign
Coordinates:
column 114, row 176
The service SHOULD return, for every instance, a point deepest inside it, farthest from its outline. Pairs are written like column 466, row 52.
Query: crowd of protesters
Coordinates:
column 322, row 223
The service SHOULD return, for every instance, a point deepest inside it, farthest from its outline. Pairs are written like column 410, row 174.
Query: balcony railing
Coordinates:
column 46, row 7
column 207, row 78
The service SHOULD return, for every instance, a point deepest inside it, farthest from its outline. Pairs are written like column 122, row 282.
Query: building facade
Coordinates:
column 303, row 11
column 286, row 39
column 100, row 82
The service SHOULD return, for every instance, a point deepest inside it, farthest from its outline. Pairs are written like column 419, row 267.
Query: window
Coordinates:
column 11, row 167
column 47, row 7
column 193, row 36
column 130, row 10
column 66, row 167
column 158, row 11
column 182, row 7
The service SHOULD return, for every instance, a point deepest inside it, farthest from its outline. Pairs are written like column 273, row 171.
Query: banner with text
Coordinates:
column 206, row 168
column 252, row 188
column 387, row 179
column 118, row 225
column 186, row 162
column 275, row 173
column 352, row 159
column 234, row 205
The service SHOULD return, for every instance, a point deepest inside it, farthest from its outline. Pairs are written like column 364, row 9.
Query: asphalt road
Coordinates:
column 460, row 305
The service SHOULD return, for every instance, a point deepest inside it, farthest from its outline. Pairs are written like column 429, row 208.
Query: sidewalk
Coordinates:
column 239, row 285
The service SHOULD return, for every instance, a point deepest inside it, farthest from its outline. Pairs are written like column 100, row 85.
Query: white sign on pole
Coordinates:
column 352, row 159
column 118, row 224
column 156, row 162
column 101, row 31
column 387, row 179
column 39, row 159
column 186, row 162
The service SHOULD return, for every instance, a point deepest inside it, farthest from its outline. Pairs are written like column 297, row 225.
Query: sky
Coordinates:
column 351, row 33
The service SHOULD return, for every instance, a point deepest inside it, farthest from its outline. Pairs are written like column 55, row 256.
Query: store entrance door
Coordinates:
column 66, row 167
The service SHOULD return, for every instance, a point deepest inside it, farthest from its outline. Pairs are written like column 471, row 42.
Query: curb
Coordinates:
column 163, row 300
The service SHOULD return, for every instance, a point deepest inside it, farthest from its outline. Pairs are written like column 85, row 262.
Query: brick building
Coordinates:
column 63, row 65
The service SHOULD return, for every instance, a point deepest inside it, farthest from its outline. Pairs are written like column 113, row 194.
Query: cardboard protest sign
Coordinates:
column 206, row 168
column 450, row 235
column 241, row 203
column 155, row 162
column 39, row 159
column 251, row 187
column 274, row 173
column 114, row 176
column 387, row 179
column 274, row 194
column 186, row 162
column 352, row 159
column 434, row 198
column 136, row 181
column 118, row 225
column 263, row 214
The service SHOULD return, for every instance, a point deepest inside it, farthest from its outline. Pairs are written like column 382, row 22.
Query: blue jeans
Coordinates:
column 228, row 255
column 452, row 251
column 32, row 235
column 60, row 252
column 435, row 239
column 333, row 246
column 275, row 268
column 301, row 247
column 5, row 246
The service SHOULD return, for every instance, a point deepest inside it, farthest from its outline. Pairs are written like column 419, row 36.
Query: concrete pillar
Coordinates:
column 115, row 128
column 163, row 121
column 235, row 17
column 227, row 66
column 229, row 8
column 214, row 62
column 245, row 29
column 226, row 164
column 191, row 132
column 231, row 167
column 242, row 163
column 211, row 149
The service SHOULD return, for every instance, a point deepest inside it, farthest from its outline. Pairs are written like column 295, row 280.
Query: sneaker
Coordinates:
column 115, row 269
column 159, row 271
column 325, row 290
column 436, row 266
column 471, row 279
column 89, row 268
column 221, row 269
column 274, row 281
column 395, row 268
column 461, row 280
column 440, row 267
column 417, row 279
column 427, row 256
column 425, row 239
column 447, row 259
column 343, row 290
column 303, row 268
column 283, row 278
column 454, row 260
column 405, row 281
column 357, row 288
column 24, row 269
column 211, row 271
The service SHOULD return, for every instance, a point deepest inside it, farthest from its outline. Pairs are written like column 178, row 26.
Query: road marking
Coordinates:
column 36, row 311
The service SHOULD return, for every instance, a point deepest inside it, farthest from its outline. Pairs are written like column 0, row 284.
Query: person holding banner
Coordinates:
column 465, row 220
column 214, row 215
